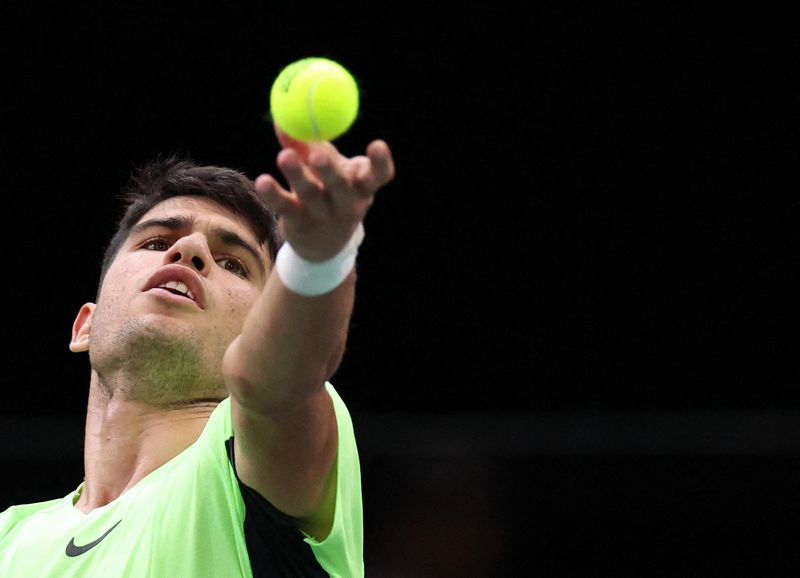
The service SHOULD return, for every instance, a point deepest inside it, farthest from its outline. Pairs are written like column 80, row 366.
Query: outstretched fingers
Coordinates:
column 275, row 196
column 305, row 182
column 326, row 186
column 354, row 181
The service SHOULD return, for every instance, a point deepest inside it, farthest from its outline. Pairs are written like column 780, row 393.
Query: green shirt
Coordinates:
column 188, row 519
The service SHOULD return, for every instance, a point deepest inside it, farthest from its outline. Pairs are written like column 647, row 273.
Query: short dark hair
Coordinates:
column 165, row 178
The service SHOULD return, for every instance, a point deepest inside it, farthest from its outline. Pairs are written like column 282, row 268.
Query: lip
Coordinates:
column 182, row 274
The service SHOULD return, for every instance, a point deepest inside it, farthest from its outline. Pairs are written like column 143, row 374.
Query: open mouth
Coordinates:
column 179, row 281
column 177, row 288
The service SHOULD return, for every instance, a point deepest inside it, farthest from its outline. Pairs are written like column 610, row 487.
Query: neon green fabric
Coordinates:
column 183, row 520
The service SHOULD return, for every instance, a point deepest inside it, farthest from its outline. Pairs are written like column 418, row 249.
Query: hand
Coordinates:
column 329, row 194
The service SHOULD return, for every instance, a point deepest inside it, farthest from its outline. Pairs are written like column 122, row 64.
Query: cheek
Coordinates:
column 125, row 274
column 238, row 304
column 115, row 284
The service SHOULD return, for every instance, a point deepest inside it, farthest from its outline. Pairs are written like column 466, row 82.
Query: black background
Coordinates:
column 593, row 211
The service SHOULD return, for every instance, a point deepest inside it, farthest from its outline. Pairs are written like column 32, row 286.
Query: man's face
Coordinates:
column 175, row 297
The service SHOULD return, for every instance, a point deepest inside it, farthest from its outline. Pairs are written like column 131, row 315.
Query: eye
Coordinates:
column 233, row 265
column 156, row 244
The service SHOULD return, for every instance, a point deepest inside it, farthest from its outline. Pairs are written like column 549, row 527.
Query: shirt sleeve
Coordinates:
column 342, row 551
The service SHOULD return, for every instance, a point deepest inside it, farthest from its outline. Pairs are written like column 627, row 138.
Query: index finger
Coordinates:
column 303, row 149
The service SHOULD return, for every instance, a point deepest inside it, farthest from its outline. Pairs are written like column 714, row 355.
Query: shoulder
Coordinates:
column 14, row 515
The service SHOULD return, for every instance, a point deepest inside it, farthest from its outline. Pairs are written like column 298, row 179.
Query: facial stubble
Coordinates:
column 159, row 363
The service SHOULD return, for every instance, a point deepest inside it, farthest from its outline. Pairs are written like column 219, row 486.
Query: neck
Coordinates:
column 128, row 439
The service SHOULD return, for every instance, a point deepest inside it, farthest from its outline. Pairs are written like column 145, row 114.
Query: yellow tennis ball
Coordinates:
column 314, row 99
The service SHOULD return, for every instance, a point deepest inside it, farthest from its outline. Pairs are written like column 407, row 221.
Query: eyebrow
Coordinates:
column 226, row 236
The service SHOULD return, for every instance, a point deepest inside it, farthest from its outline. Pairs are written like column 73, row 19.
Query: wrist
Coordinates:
column 312, row 278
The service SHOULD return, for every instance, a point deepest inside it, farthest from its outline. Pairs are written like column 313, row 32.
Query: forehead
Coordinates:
column 203, row 212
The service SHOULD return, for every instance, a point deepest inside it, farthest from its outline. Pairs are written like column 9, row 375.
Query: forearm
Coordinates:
column 289, row 346
column 294, row 337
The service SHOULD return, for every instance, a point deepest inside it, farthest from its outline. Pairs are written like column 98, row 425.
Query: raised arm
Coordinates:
column 284, row 422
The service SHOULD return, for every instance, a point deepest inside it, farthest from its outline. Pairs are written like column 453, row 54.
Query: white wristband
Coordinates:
column 312, row 278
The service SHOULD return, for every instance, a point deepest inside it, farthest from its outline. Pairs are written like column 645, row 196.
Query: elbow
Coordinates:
column 280, row 388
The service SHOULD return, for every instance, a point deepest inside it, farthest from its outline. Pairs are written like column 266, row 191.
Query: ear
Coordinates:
column 81, row 328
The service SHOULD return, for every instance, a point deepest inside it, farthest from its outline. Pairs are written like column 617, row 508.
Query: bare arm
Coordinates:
column 284, row 422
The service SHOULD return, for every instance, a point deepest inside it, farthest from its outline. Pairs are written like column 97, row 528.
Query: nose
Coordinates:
column 191, row 251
